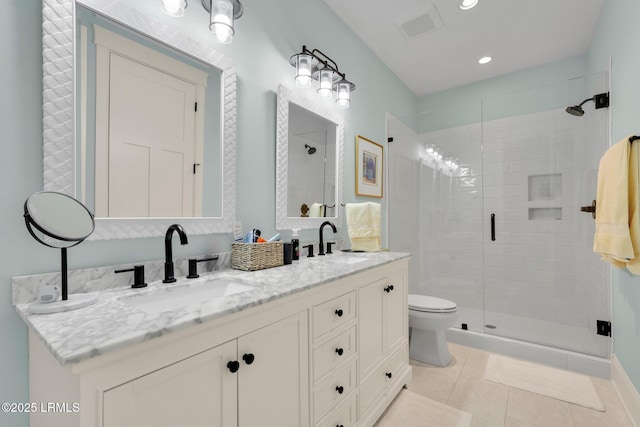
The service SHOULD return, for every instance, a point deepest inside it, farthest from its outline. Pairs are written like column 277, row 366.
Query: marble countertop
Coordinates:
column 113, row 322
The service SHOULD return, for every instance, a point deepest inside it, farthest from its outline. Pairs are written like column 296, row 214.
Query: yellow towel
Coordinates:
column 633, row 265
column 617, row 198
column 363, row 223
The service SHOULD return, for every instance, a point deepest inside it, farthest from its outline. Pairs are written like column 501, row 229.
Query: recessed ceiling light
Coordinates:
column 468, row 4
column 484, row 60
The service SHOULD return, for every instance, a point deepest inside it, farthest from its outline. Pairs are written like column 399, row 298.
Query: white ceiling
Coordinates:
column 517, row 34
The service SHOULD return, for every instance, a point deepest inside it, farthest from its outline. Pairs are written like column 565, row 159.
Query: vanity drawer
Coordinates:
column 333, row 389
column 345, row 414
column 333, row 313
column 333, row 352
column 377, row 382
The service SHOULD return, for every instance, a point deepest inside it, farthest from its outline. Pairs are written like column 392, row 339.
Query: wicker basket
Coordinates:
column 256, row 256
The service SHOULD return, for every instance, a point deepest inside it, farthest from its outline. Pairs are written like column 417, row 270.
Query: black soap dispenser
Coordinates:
column 296, row 244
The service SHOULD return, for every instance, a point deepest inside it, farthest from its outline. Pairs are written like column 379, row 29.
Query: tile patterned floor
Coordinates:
column 462, row 386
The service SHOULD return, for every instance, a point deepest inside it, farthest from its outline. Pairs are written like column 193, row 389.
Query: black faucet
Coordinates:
column 333, row 227
column 168, row 256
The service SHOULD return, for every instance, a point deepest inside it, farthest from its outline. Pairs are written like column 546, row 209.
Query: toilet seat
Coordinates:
column 429, row 304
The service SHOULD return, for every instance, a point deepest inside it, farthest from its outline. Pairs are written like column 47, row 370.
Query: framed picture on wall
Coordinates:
column 369, row 167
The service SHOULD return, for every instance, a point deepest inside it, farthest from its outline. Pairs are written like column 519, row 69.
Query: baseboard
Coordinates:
column 626, row 390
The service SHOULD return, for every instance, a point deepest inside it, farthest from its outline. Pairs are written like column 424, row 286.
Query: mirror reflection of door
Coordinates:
column 150, row 142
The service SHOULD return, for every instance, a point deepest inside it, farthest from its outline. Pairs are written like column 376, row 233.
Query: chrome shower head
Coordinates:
column 310, row 149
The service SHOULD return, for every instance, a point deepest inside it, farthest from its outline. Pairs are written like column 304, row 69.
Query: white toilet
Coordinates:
column 429, row 318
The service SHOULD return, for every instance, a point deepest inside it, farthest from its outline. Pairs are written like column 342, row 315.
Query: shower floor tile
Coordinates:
column 461, row 385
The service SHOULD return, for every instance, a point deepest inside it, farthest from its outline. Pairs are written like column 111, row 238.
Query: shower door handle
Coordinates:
column 493, row 227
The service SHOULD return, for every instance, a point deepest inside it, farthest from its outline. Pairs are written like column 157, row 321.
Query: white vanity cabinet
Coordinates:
column 258, row 378
column 383, row 327
column 335, row 354
column 197, row 391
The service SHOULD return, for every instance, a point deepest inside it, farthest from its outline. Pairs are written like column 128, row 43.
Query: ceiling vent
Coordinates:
column 422, row 24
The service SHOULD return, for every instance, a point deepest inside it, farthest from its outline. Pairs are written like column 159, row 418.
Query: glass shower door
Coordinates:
column 542, row 282
column 435, row 207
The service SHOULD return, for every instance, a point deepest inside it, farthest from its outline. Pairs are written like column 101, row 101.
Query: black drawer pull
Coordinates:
column 339, row 351
column 389, row 375
column 388, row 288
column 340, row 389
column 339, row 313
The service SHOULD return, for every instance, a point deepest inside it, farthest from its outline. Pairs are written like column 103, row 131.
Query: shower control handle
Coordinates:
column 493, row 227
column 590, row 208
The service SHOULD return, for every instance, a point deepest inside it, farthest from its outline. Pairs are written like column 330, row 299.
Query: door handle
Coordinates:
column 591, row 209
column 493, row 227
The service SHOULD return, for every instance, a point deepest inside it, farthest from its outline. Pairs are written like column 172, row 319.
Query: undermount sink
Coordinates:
column 345, row 259
column 185, row 295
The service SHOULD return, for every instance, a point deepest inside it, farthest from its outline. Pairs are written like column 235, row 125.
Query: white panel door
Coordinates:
column 371, row 326
column 197, row 392
column 151, row 142
column 273, row 382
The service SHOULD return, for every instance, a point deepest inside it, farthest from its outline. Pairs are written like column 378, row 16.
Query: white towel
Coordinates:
column 316, row 210
column 363, row 223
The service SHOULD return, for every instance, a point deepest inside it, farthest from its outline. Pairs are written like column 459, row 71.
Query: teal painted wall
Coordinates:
column 267, row 35
column 464, row 104
column 614, row 40
column 20, row 174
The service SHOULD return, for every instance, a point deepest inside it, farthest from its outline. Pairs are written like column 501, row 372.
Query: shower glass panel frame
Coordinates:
column 522, row 158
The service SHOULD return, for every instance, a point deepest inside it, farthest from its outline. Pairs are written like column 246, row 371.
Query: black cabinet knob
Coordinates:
column 339, row 425
column 248, row 358
column 233, row 366
column 388, row 374
column 339, row 313
column 340, row 389
column 339, row 351
column 388, row 288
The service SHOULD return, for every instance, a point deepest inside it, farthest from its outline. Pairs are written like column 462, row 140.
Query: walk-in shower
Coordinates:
column 490, row 209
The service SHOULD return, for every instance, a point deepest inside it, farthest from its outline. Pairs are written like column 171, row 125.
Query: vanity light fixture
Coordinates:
column 304, row 65
column 315, row 65
column 468, row 4
column 222, row 13
column 173, row 8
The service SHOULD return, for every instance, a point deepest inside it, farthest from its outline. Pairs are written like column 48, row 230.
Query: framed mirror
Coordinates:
column 309, row 162
column 71, row 162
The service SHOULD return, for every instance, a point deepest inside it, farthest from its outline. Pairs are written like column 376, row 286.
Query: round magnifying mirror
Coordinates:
column 57, row 220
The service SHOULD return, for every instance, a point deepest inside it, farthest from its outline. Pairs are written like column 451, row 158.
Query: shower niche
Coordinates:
column 544, row 193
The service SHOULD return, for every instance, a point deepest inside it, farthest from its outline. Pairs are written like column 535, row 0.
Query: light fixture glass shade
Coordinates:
column 343, row 95
column 468, row 4
column 325, row 84
column 173, row 8
column 222, row 20
column 303, row 70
